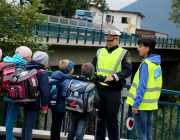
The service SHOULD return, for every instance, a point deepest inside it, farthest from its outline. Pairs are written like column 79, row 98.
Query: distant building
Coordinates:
column 120, row 20
column 126, row 21
column 156, row 14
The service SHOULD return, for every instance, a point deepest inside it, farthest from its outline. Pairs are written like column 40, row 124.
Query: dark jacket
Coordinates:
column 62, row 90
column 43, row 85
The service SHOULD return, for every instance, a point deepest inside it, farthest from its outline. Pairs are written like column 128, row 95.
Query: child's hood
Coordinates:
column 59, row 75
column 34, row 65
column 15, row 59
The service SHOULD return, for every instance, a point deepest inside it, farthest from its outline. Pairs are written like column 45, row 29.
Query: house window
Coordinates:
column 124, row 20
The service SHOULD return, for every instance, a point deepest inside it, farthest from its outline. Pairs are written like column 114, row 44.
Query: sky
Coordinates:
column 118, row 4
column 114, row 4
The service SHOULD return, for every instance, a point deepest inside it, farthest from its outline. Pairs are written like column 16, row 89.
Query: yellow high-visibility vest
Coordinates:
column 153, row 89
column 109, row 63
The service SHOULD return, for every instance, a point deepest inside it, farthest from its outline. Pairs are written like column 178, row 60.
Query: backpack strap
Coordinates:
column 82, row 78
column 41, row 70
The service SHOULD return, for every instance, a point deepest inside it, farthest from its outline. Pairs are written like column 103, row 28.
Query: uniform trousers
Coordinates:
column 109, row 111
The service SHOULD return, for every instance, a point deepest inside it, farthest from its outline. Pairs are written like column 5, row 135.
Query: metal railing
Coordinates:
column 165, row 120
column 78, row 23
column 63, row 31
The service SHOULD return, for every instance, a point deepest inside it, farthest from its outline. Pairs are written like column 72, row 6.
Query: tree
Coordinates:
column 175, row 13
column 64, row 7
column 17, row 26
column 70, row 7
column 54, row 7
column 100, row 4
column 67, row 8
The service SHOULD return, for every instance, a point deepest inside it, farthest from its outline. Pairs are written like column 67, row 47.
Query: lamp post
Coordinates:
column 102, row 21
column 65, row 8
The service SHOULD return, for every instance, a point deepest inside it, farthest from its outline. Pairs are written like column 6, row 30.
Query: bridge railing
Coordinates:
column 165, row 120
column 78, row 23
column 80, row 33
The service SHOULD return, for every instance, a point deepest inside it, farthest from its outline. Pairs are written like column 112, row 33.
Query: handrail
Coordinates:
column 55, row 30
column 130, row 133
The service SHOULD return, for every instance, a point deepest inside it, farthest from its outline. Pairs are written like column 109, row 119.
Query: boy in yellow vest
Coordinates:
column 146, row 88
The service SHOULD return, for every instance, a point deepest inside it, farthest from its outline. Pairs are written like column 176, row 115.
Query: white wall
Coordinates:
column 118, row 17
column 161, row 35
column 121, row 26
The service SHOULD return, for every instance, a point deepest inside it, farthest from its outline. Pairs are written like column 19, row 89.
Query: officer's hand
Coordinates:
column 93, row 112
column 134, row 111
column 109, row 79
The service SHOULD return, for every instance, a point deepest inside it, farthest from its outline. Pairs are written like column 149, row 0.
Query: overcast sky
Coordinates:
column 118, row 4
column 114, row 4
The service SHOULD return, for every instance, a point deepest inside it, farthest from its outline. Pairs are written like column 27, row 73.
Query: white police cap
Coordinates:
column 111, row 34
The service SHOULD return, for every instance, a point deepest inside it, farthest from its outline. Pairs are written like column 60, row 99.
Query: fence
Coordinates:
column 165, row 120
column 79, row 33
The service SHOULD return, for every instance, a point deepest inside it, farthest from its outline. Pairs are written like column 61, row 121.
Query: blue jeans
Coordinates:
column 12, row 113
column 143, row 124
column 78, row 123
column 30, row 117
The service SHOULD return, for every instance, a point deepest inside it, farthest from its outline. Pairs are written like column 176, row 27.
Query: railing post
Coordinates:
column 68, row 34
column 77, row 35
column 130, row 133
column 59, row 29
column 85, row 38
column 93, row 36
column 48, row 31
column 125, row 39
column 36, row 29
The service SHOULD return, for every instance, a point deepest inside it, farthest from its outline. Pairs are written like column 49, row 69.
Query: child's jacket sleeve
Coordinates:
column 44, row 90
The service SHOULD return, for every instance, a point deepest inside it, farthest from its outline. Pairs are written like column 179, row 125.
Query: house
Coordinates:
column 125, row 21
column 157, row 15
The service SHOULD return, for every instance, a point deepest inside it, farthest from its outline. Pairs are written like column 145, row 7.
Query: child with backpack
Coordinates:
column 58, row 110
column 80, row 111
column 31, row 109
column 20, row 58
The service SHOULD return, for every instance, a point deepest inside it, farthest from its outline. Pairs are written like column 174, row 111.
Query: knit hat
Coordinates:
column 0, row 52
column 66, row 66
column 23, row 51
column 40, row 57
column 87, row 70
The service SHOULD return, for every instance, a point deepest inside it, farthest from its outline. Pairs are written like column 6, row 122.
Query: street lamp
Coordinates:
column 65, row 8
column 102, row 20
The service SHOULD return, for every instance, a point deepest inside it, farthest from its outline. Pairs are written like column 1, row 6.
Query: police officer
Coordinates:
column 112, row 65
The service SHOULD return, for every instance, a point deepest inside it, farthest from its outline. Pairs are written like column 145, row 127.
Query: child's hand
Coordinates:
column 44, row 111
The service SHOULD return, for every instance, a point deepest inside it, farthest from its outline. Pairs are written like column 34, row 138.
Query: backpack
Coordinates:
column 53, row 86
column 6, row 69
column 24, row 85
column 80, row 95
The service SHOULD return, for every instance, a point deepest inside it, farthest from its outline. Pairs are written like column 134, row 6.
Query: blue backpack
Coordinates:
column 80, row 95
column 53, row 86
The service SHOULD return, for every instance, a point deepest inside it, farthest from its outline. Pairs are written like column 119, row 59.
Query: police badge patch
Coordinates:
column 128, row 59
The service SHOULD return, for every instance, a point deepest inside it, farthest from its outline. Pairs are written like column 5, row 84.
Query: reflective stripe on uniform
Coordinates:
column 116, row 77
column 148, row 89
column 98, row 52
column 144, row 100
column 116, row 66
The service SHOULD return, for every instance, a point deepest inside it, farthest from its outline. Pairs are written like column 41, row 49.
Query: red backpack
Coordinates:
column 6, row 69
column 24, row 85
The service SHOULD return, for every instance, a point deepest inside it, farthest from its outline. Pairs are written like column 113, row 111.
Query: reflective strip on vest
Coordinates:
column 144, row 100
column 148, row 89
column 116, row 66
